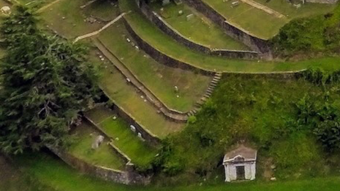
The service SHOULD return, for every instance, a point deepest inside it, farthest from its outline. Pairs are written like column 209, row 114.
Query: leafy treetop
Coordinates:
column 46, row 81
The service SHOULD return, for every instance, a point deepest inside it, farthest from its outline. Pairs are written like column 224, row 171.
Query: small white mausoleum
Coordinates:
column 240, row 164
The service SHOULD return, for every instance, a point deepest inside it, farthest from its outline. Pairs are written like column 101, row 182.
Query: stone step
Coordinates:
column 204, row 99
column 199, row 103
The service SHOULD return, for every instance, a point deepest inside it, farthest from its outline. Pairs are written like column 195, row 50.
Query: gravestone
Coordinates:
column 176, row 89
column 190, row 16
column 133, row 128
column 140, row 136
column 297, row 6
column 235, row 3
column 165, row 2
column 97, row 142
column 6, row 10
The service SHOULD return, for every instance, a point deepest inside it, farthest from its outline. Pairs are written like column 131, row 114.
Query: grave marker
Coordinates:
column 97, row 142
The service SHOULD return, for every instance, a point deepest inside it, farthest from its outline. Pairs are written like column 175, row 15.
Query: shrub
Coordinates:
column 308, row 35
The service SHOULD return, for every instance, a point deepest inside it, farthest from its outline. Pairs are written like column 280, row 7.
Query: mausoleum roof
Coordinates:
column 242, row 151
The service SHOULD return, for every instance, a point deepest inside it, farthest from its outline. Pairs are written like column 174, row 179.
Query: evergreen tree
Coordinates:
column 46, row 81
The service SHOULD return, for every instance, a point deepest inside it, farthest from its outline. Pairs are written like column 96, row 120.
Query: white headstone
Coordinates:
column 190, row 16
column 235, row 3
column 133, row 128
column 165, row 2
column 99, row 140
column 140, row 136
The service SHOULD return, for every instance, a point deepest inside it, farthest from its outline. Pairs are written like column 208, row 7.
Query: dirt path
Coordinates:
column 100, row 30
column 265, row 9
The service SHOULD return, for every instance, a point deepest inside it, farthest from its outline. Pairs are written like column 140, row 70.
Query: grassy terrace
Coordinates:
column 159, row 78
column 84, row 135
column 249, row 18
column 123, row 138
column 198, row 28
column 260, row 23
column 308, row 9
column 99, row 114
column 68, row 18
column 53, row 173
column 114, row 83
column 127, row 97
column 103, row 10
column 165, row 44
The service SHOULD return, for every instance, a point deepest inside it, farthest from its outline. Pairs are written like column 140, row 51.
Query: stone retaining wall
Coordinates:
column 166, row 28
column 156, row 102
column 288, row 75
column 152, row 139
column 108, row 137
column 260, row 45
column 149, row 137
column 163, row 58
column 129, row 176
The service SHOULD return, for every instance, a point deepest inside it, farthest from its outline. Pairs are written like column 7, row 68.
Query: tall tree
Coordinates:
column 46, row 81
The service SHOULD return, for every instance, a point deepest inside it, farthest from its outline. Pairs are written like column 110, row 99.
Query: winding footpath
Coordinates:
column 265, row 9
column 100, row 30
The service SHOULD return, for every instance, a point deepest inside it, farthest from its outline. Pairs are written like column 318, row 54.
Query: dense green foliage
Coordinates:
column 323, row 118
column 310, row 35
column 288, row 121
column 46, row 81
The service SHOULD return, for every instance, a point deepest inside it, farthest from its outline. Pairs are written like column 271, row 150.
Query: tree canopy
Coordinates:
column 46, row 81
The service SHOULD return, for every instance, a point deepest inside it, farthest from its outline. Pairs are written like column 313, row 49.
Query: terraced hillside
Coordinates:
column 136, row 149
column 196, row 27
column 261, row 18
column 128, row 98
column 160, row 79
column 153, row 82
column 84, row 135
column 167, row 46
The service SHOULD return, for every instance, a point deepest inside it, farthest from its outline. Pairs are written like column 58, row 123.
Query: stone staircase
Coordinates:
column 208, row 92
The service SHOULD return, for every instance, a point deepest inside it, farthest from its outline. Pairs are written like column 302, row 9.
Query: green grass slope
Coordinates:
column 55, row 174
